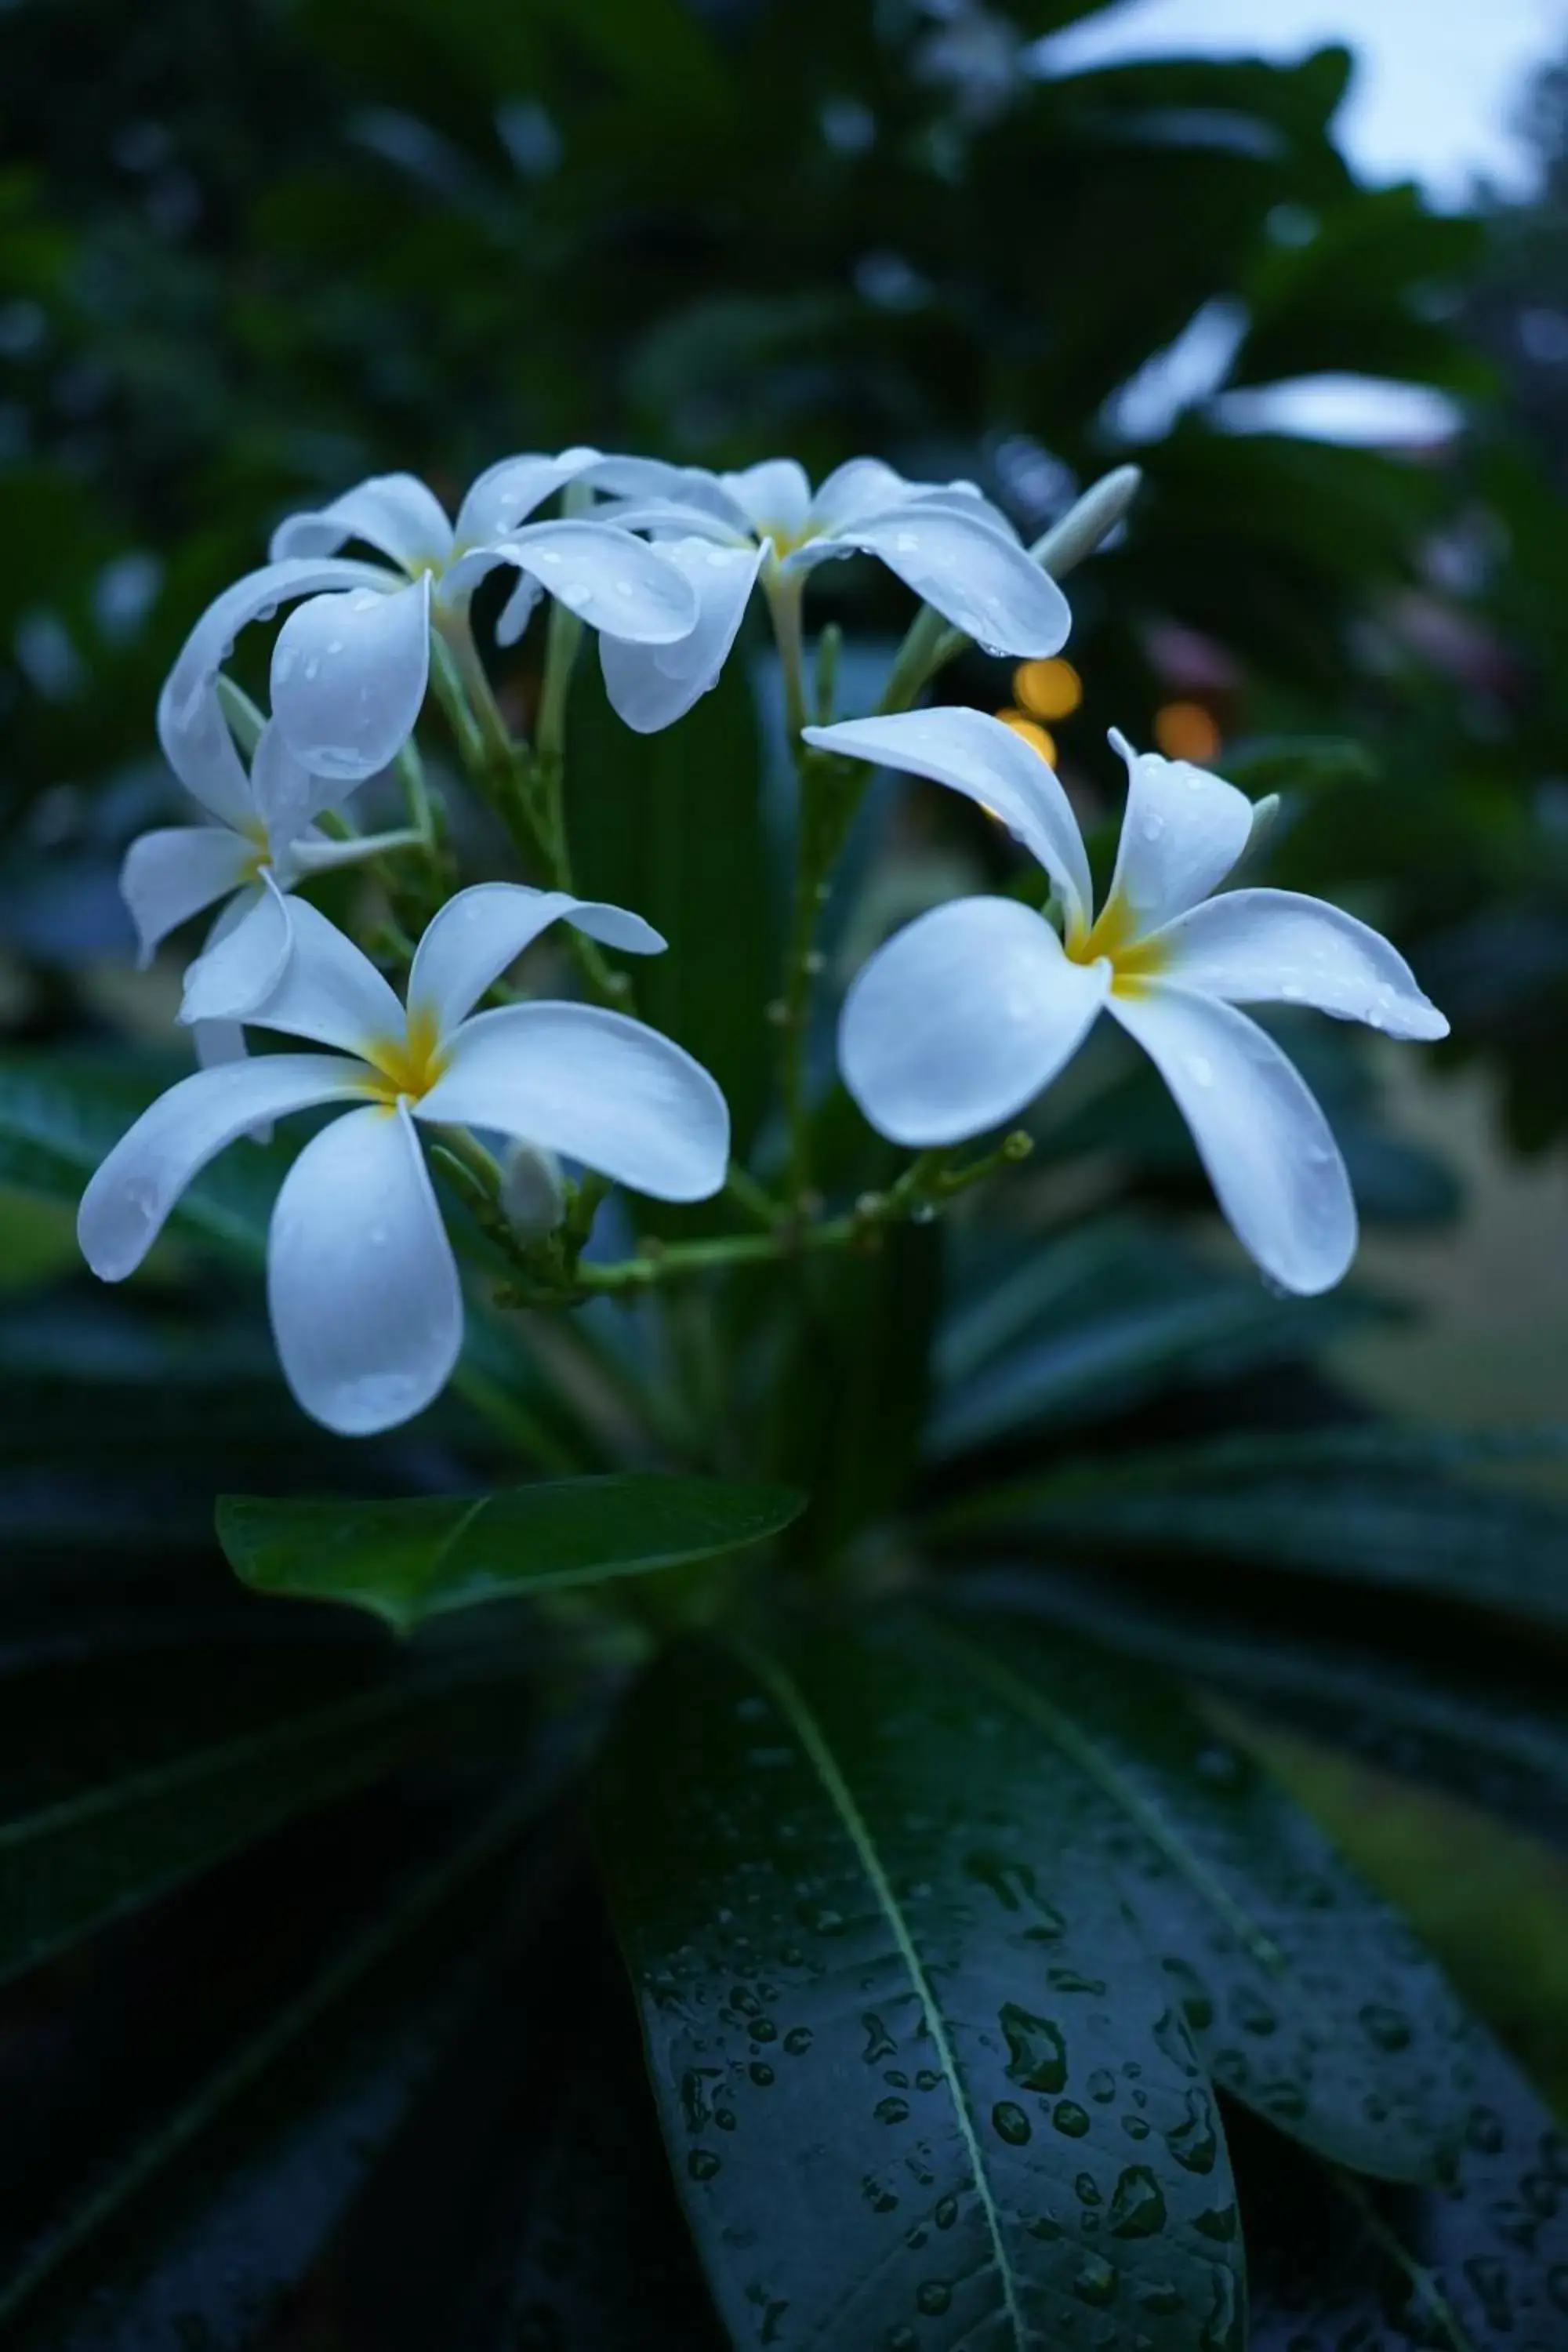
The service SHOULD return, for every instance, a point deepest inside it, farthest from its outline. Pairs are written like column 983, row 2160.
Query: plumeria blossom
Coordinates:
column 260, row 838
column 361, row 1282
column 964, row 1016
column 352, row 662
column 944, row 540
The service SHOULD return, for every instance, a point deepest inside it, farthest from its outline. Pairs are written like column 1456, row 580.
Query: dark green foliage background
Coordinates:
column 976, row 1871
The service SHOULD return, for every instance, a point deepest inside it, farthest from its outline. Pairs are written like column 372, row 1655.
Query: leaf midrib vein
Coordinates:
column 793, row 1706
column 1082, row 1750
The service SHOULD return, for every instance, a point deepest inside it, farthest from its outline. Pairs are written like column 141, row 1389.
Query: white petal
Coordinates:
column 859, row 486
column 517, row 610
column 962, row 1019
column 651, row 685
column 595, row 1086
column 689, row 488
column 366, row 1306
column 217, row 1042
column 505, row 493
column 1181, row 834
column 124, row 1207
column 679, row 519
column 171, row 873
column 473, row 939
column 775, row 497
column 393, row 512
column 973, row 753
column 229, row 980
column 1265, row 947
column 1269, row 1153
column 200, row 750
column 348, row 678
column 617, row 584
column 187, row 700
column 329, row 990
column 287, row 795
column 983, row 583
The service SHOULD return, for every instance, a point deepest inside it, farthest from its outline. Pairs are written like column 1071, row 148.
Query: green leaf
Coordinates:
column 920, row 2081
column 407, row 1560
column 850, row 1403
column 1300, row 1986
column 1092, row 1324
column 61, row 1116
column 671, row 824
column 1477, row 2265
column 69, row 1865
column 1371, row 1505
column 257, row 2141
column 1491, row 1732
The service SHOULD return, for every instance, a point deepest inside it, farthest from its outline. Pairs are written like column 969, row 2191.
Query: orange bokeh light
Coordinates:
column 1048, row 689
column 1039, row 738
column 1185, row 730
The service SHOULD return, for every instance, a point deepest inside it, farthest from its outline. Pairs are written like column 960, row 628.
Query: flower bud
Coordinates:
column 533, row 1193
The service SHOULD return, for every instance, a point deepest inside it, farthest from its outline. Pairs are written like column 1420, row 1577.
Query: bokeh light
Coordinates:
column 1048, row 689
column 1032, row 733
column 1185, row 730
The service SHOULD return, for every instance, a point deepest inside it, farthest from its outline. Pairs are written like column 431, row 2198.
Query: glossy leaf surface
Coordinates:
column 410, row 1560
column 922, row 2083
column 1373, row 1506
column 1306, row 1997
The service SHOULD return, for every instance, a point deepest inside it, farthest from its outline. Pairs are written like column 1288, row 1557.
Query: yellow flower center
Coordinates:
column 1114, row 935
column 260, row 851
column 406, row 1066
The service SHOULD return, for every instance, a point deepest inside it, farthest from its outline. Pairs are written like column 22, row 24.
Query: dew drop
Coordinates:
column 1389, row 2028
column 1137, row 2204
column 1011, row 2123
column 891, row 2111
column 702, row 2164
column 1037, row 2054
column 1070, row 2118
column 1192, row 2142
column 933, row 2296
column 797, row 2040
column 1095, row 2282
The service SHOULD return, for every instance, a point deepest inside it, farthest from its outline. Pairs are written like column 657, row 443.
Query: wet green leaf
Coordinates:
column 1306, row 1997
column 1373, row 1506
column 922, row 2083
column 1478, row 2265
column 79, row 1859
column 408, row 1561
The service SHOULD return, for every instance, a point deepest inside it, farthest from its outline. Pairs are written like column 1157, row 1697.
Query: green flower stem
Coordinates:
column 926, row 1187
column 563, row 636
column 758, row 1203
column 526, row 788
column 931, row 642
column 784, row 595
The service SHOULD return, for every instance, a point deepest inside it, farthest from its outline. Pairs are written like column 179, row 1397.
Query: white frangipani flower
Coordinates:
column 944, row 540
column 351, row 663
column 260, row 840
column 964, row 1017
column 361, row 1283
